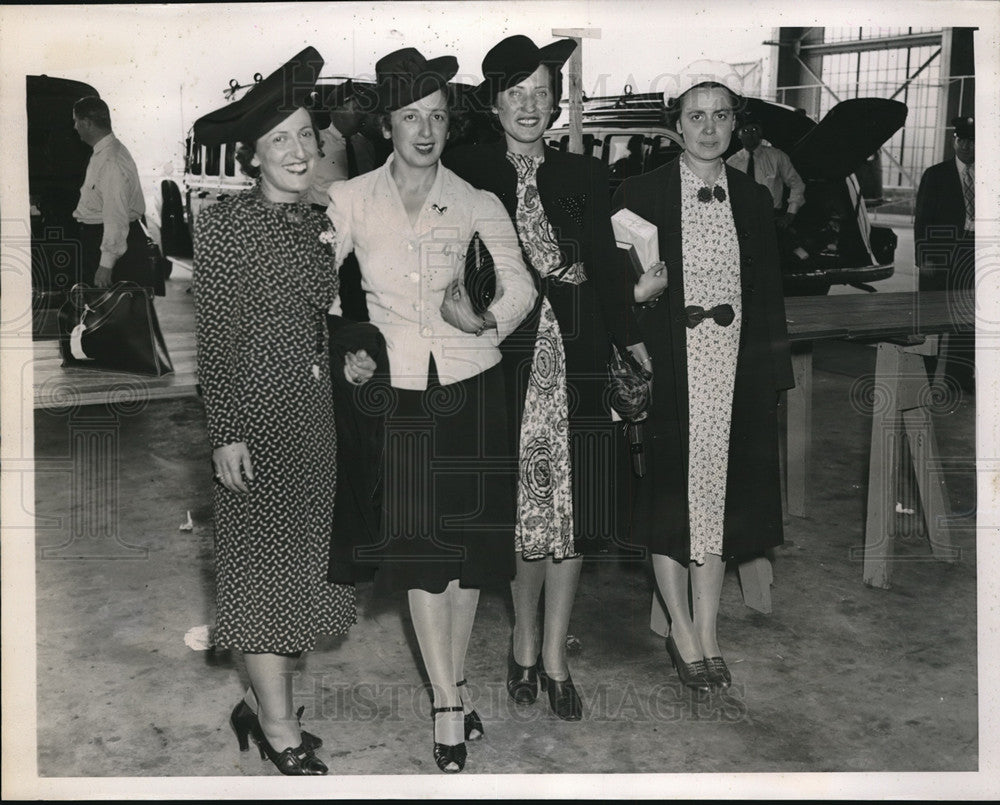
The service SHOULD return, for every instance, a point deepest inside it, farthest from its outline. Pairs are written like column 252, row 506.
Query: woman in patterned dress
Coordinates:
column 720, row 351
column 263, row 280
column 556, row 362
column 448, row 489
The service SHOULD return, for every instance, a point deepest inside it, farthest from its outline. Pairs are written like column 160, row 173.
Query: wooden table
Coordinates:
column 905, row 327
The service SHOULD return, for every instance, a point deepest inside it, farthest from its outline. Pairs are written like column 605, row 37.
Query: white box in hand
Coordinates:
column 638, row 236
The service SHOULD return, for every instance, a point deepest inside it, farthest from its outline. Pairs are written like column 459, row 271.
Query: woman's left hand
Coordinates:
column 359, row 367
column 456, row 309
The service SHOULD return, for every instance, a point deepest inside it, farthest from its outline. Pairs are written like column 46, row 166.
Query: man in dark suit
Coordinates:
column 944, row 235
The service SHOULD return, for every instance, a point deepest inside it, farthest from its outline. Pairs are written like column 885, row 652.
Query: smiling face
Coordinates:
column 419, row 131
column 706, row 121
column 525, row 111
column 286, row 156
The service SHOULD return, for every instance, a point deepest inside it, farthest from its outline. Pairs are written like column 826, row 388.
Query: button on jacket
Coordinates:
column 405, row 269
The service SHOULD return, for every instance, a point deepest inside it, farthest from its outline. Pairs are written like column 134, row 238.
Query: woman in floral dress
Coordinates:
column 556, row 362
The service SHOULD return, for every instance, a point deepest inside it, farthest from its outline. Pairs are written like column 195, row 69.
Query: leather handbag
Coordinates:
column 480, row 275
column 112, row 329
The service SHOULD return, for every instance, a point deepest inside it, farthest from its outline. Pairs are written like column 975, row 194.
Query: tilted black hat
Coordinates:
column 404, row 77
column 513, row 59
column 965, row 127
column 266, row 104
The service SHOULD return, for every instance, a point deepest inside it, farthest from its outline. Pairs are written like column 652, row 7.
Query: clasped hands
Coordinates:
column 359, row 367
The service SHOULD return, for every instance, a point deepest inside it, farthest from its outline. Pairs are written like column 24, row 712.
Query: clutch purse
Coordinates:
column 480, row 275
column 112, row 329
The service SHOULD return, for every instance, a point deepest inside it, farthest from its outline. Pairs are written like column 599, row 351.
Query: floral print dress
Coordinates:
column 711, row 259
column 545, row 475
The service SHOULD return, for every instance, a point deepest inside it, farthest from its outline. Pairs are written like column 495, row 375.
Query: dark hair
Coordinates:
column 674, row 104
column 92, row 108
column 245, row 151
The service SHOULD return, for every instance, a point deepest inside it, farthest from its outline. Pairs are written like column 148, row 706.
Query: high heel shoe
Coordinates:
column 293, row 761
column 692, row 674
column 563, row 698
column 473, row 723
column 242, row 721
column 718, row 672
column 522, row 680
column 446, row 755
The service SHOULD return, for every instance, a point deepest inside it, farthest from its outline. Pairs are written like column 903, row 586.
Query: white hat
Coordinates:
column 701, row 72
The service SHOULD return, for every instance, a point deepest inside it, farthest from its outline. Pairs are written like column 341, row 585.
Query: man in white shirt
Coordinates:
column 770, row 167
column 346, row 153
column 111, row 203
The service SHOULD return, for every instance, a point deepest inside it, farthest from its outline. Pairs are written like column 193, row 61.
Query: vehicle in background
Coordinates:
column 833, row 241
column 57, row 164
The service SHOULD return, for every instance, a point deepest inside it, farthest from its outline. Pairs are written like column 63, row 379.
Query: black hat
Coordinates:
column 965, row 127
column 403, row 77
column 266, row 104
column 513, row 59
column 748, row 119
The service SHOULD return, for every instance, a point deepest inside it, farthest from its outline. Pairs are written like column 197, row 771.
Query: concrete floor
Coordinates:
column 840, row 678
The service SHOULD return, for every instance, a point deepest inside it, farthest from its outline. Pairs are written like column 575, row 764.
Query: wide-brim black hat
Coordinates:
column 965, row 127
column 513, row 59
column 266, row 104
column 404, row 77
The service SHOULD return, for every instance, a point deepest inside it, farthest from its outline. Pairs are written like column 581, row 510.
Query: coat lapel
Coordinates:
column 671, row 252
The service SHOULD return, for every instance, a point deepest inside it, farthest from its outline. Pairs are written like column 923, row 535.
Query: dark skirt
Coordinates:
column 447, row 489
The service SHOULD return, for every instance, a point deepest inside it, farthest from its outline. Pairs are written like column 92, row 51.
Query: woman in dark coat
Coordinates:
column 556, row 362
column 720, row 353
column 263, row 279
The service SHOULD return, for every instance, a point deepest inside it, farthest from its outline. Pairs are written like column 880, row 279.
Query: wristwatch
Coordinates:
column 483, row 327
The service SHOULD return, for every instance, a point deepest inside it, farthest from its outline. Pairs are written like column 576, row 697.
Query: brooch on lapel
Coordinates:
column 439, row 210
column 705, row 194
column 574, row 205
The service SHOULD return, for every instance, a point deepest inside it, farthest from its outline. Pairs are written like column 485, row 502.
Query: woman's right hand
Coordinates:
column 232, row 462
column 651, row 284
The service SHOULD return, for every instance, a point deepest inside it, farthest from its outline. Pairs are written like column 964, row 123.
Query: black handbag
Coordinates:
column 480, row 275
column 112, row 329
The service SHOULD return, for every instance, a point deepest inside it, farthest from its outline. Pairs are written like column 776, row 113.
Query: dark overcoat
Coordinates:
column 943, row 251
column 575, row 196
column 753, row 515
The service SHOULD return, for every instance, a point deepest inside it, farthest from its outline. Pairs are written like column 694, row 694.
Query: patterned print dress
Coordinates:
column 263, row 280
column 545, row 475
column 711, row 277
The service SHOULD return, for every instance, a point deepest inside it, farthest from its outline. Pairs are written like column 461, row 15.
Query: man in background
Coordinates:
column 346, row 152
column 944, row 225
column 770, row 167
column 111, row 203
column 944, row 238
